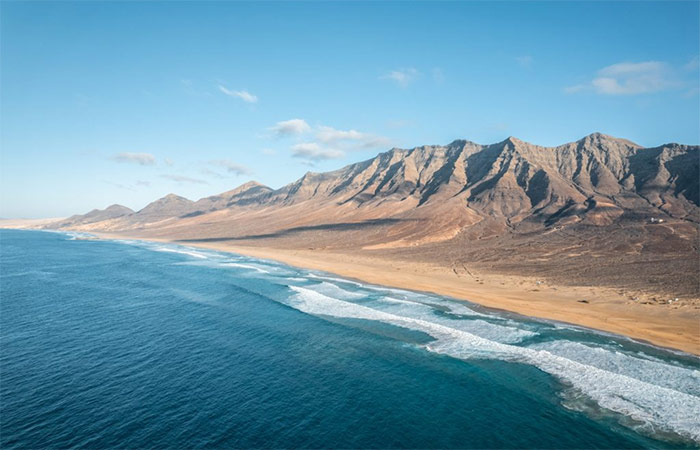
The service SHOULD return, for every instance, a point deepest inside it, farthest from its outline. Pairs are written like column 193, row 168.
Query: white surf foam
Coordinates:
column 450, row 307
column 505, row 332
column 341, row 280
column 245, row 266
column 335, row 291
column 183, row 251
column 75, row 235
column 657, row 406
column 129, row 242
column 640, row 366
column 455, row 307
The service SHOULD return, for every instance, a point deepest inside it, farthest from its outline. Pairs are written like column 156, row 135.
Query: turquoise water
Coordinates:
column 143, row 345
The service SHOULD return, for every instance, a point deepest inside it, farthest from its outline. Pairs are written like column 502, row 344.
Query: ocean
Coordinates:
column 132, row 344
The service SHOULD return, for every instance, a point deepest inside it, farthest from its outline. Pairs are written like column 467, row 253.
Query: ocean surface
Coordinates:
column 133, row 344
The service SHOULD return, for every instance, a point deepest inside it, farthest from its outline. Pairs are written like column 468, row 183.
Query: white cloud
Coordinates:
column 315, row 152
column 183, row 179
column 628, row 78
column 524, row 60
column 243, row 95
column 231, row 166
column 329, row 142
column 290, row 127
column 143, row 159
column 329, row 135
column 402, row 77
column 168, row 162
column 268, row 151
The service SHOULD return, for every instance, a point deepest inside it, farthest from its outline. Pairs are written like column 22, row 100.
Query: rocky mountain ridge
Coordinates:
column 596, row 180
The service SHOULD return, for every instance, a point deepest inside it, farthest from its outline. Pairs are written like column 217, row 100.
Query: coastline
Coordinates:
column 604, row 309
column 225, row 299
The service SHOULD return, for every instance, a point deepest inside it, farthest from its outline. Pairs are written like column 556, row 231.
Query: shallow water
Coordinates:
column 136, row 344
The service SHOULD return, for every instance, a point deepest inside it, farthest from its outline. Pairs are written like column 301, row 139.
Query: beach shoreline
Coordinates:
column 247, row 316
column 599, row 308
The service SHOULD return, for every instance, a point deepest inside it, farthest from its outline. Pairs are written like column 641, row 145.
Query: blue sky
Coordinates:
column 107, row 103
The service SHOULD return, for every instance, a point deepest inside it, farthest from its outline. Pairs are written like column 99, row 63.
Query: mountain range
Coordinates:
column 597, row 180
column 601, row 211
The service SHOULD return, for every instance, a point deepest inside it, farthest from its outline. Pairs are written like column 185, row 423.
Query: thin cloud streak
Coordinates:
column 183, row 179
column 243, row 95
column 231, row 167
column 402, row 77
column 315, row 152
column 357, row 139
column 630, row 78
column 142, row 159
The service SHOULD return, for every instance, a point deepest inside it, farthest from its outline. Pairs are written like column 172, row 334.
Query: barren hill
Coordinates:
column 94, row 216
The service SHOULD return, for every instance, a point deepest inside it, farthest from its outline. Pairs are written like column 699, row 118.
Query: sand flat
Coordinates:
column 27, row 223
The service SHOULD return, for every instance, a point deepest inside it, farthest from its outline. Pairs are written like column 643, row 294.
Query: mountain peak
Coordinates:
column 250, row 184
column 169, row 206
column 172, row 196
column 513, row 140
column 598, row 137
column 119, row 208
column 462, row 143
column 245, row 187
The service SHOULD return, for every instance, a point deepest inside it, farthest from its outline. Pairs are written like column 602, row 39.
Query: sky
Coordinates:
column 125, row 102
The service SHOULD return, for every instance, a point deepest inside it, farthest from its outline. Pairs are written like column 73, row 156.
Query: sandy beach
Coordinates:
column 674, row 326
column 27, row 223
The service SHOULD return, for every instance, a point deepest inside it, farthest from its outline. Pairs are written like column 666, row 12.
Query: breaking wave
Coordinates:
column 655, row 395
column 182, row 251
column 245, row 266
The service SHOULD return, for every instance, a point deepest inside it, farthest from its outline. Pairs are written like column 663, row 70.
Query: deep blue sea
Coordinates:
column 132, row 344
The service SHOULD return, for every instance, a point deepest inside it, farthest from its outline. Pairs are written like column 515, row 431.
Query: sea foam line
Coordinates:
column 650, row 404
column 182, row 251
column 244, row 266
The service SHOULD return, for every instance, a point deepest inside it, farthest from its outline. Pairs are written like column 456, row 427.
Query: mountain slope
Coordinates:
column 245, row 194
column 596, row 178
